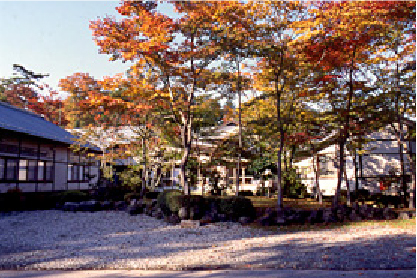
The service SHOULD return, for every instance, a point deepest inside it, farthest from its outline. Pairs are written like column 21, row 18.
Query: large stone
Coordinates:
column 207, row 219
column 403, row 215
column 190, row 224
column 183, row 213
column 159, row 214
column 172, row 219
column 328, row 215
column 71, row 206
column 195, row 213
column 244, row 220
column 121, row 205
column 222, row 217
column 134, row 210
column 106, row 205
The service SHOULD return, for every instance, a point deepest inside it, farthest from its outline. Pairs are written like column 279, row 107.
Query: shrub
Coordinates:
column 292, row 185
column 167, row 201
column 386, row 200
column 130, row 196
column 12, row 200
column 152, row 195
column 72, row 196
column 245, row 193
column 236, row 206
column 111, row 193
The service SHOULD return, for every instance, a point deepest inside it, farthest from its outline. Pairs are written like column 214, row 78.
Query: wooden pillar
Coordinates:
column 243, row 176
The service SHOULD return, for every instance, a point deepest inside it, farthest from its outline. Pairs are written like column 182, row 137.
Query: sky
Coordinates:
column 53, row 37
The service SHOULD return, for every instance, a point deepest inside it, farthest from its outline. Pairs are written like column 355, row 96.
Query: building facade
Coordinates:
column 36, row 155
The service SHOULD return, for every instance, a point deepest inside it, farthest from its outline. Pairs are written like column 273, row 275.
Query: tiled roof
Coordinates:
column 23, row 121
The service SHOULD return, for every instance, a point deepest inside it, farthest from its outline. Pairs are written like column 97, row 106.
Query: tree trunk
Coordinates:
column 347, row 189
column 145, row 170
column 281, row 133
column 186, row 130
column 239, row 162
column 343, row 138
column 318, row 196
column 412, row 201
column 356, row 175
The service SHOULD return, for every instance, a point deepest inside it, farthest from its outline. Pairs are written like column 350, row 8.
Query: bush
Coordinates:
column 167, row 201
column 245, row 193
column 292, row 185
column 111, row 193
column 130, row 196
column 236, row 206
column 152, row 195
column 386, row 200
column 72, row 196
column 13, row 199
column 194, row 202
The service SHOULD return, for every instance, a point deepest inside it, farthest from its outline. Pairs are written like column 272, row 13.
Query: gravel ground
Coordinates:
column 115, row 240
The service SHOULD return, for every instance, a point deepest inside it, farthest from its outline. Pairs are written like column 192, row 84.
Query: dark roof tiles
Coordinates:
column 23, row 121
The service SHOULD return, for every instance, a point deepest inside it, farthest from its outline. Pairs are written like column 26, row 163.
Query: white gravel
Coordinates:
column 115, row 240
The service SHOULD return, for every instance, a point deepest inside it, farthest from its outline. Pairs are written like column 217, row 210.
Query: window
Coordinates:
column 32, row 170
column 326, row 165
column 78, row 172
column 2, row 168
column 23, row 170
column 49, row 171
column 14, row 169
column 11, row 169
column 41, row 170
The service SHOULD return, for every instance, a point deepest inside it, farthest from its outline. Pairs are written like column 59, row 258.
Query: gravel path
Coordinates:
column 115, row 240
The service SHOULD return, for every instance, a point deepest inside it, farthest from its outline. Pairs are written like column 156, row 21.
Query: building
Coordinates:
column 36, row 155
column 375, row 167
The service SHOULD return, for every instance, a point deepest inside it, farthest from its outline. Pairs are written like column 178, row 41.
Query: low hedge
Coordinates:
column 72, row 196
column 236, row 206
column 130, row 196
column 152, row 195
column 168, row 202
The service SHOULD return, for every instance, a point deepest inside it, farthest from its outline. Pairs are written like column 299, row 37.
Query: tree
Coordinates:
column 24, row 91
column 341, row 37
column 175, row 53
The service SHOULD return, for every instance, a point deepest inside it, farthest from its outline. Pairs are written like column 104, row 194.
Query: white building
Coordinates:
column 376, row 168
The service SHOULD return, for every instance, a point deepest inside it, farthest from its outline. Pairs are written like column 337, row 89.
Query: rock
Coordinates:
column 311, row 218
column 206, row 220
column 265, row 221
column 172, row 219
column 71, row 206
column 221, row 217
column 134, row 210
column 403, row 215
column 183, row 213
column 159, row 214
column 328, row 216
column 121, row 205
column 244, row 220
column 106, row 205
column 195, row 213
column 353, row 216
column 190, row 224
column 148, row 210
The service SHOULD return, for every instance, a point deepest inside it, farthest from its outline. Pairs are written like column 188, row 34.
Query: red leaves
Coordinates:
column 327, row 78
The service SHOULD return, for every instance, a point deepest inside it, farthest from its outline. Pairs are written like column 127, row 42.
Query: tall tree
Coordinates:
column 177, row 52
column 341, row 37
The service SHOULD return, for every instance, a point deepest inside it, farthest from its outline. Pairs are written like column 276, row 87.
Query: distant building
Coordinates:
column 35, row 155
column 377, row 168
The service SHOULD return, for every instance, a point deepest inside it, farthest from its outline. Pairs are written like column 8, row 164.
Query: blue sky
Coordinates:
column 53, row 37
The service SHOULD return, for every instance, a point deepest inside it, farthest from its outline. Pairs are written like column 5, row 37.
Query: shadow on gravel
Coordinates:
column 285, row 251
